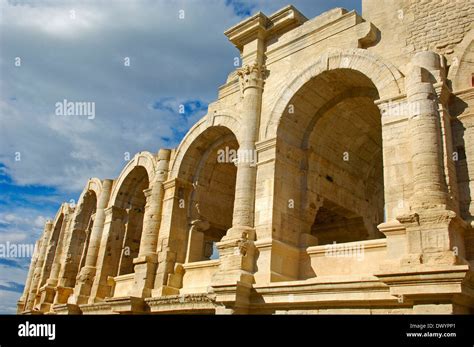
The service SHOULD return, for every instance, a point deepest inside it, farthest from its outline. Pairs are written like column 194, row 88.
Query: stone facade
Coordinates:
column 334, row 174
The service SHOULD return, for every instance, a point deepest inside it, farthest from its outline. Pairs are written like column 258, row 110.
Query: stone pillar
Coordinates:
column 35, row 281
column 429, row 186
column 31, row 270
column 172, row 238
column 86, row 276
column 433, row 228
column 146, row 262
column 237, row 248
column 251, row 79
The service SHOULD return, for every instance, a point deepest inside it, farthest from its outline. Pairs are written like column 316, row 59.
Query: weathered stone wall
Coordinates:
column 438, row 25
column 409, row 26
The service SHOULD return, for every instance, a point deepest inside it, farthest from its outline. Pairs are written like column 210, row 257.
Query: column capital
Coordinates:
column 251, row 76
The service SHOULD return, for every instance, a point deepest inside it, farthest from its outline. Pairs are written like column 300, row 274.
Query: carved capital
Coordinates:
column 251, row 76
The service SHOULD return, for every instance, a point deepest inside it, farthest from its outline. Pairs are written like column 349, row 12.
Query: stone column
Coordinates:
column 429, row 185
column 434, row 230
column 146, row 262
column 251, row 79
column 171, row 248
column 33, row 290
column 86, row 276
column 236, row 249
column 34, row 260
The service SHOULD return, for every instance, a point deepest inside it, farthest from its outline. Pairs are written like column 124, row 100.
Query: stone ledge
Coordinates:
column 195, row 303
column 96, row 308
column 422, row 281
column 127, row 305
column 67, row 309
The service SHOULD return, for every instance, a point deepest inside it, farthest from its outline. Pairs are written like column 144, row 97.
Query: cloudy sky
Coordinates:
column 78, row 51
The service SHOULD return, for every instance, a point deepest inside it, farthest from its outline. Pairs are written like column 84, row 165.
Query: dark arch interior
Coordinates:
column 208, row 165
column 131, row 198
column 333, row 145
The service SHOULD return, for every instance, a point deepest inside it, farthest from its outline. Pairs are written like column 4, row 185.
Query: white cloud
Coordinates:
column 23, row 225
column 61, row 19
column 39, row 221
column 167, row 60
column 14, row 235
column 81, row 59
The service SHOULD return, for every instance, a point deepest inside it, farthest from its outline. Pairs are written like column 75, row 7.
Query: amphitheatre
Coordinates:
column 359, row 198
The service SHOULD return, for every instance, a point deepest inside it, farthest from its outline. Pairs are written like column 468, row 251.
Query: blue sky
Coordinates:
column 76, row 50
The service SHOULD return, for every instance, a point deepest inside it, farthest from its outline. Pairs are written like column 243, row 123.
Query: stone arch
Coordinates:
column 92, row 187
column 207, row 177
column 123, row 225
column 128, row 197
column 227, row 120
column 142, row 159
column 387, row 79
column 82, row 223
column 335, row 112
column 59, row 223
column 93, row 184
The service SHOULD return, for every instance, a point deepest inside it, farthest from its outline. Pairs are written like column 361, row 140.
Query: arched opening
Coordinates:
column 209, row 166
column 78, row 246
column 345, row 171
column 51, row 250
column 330, row 163
column 131, row 199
